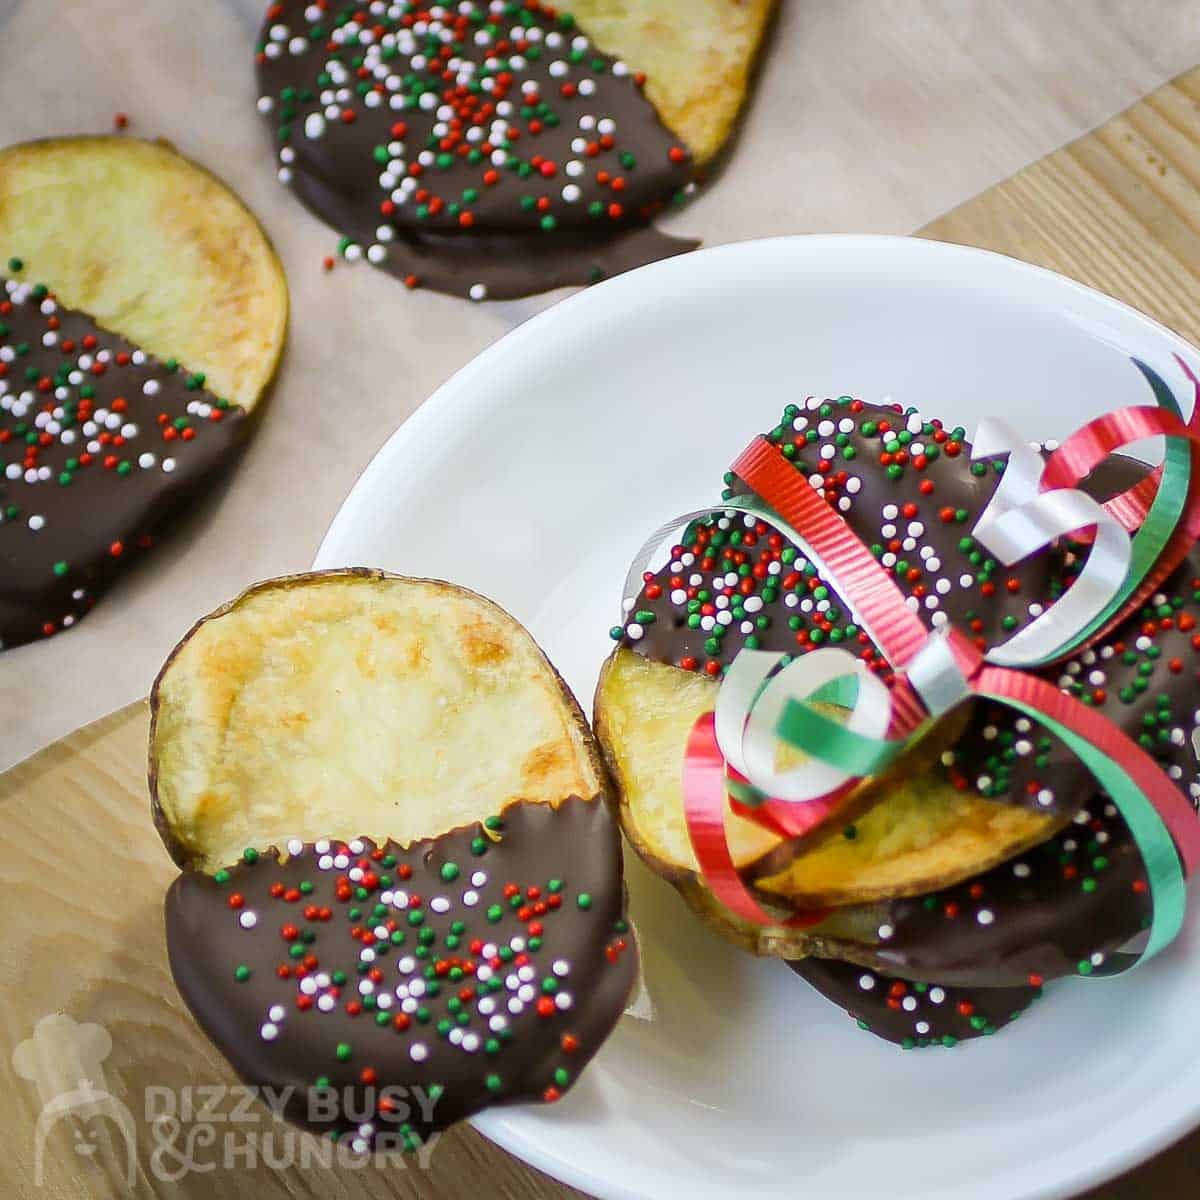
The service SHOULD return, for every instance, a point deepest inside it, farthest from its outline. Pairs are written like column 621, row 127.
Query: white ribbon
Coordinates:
column 1021, row 519
column 752, row 700
column 936, row 676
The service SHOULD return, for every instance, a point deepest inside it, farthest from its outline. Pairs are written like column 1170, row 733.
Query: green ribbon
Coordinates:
column 802, row 726
column 1164, row 869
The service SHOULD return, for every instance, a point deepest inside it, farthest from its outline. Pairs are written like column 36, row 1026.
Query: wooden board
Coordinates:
column 81, row 930
column 1119, row 209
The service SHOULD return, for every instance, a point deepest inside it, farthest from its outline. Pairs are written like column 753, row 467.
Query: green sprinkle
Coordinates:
column 242, row 973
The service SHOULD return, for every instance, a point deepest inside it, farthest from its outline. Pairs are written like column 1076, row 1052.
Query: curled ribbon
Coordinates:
column 731, row 754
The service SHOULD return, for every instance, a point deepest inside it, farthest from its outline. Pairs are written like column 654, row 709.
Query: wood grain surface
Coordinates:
column 82, row 873
column 1118, row 209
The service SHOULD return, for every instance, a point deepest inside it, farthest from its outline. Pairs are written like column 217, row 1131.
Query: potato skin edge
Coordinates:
column 764, row 941
column 51, row 144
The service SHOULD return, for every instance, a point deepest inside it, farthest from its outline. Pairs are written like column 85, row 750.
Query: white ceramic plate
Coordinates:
column 534, row 475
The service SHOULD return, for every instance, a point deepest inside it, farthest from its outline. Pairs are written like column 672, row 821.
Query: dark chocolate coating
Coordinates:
column 572, row 987
column 1070, row 905
column 1066, row 907
column 1001, row 755
column 346, row 117
column 914, row 1015
column 93, row 470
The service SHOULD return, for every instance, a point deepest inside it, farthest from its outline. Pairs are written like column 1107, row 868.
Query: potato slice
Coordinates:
column 356, row 704
column 697, row 56
column 919, row 836
column 154, row 248
column 912, row 833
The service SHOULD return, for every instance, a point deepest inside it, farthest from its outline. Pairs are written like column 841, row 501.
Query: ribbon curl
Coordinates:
column 730, row 757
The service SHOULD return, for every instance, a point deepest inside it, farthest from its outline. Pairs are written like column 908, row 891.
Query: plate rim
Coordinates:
column 454, row 392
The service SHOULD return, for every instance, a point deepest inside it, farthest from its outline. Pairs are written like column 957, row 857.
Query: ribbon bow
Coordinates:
column 731, row 753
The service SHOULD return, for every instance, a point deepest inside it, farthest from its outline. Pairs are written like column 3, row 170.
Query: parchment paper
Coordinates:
column 870, row 116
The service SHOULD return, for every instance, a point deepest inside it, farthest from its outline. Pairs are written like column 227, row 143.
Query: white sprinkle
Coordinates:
column 248, row 919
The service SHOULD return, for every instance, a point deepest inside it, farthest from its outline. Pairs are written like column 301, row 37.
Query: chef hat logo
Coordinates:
column 64, row 1060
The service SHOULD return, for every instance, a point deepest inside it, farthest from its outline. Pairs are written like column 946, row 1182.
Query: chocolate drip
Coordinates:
column 479, row 154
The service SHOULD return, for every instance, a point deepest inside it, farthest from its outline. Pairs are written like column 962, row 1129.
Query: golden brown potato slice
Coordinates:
column 697, row 56
column 154, row 248
column 356, row 704
column 920, row 835
column 912, row 832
